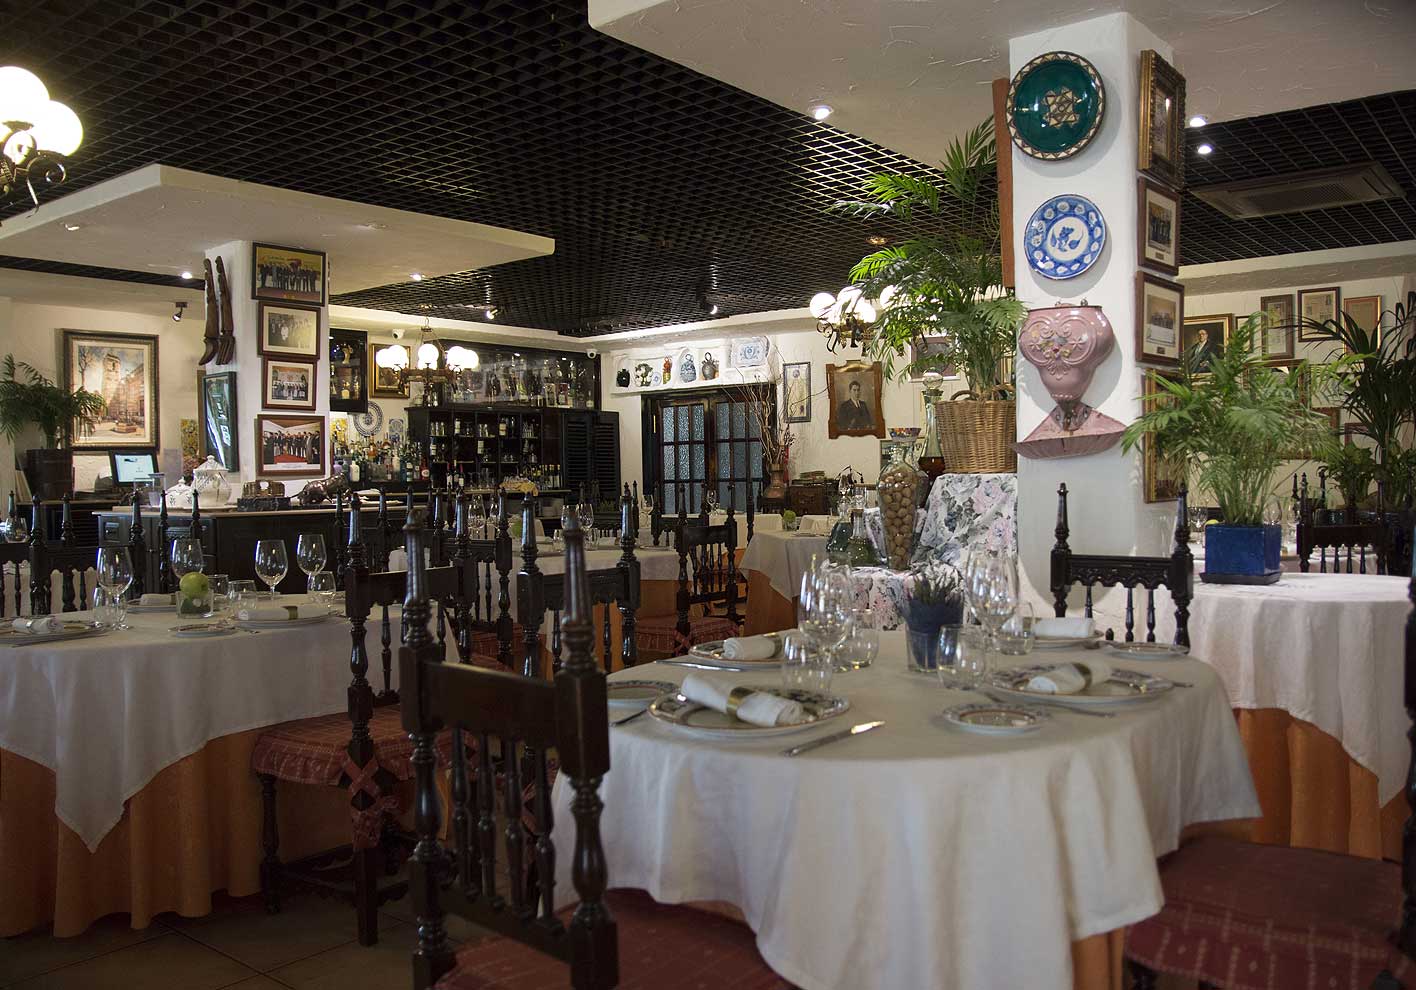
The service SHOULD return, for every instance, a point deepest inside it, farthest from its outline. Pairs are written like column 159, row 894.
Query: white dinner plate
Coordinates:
column 203, row 629
column 304, row 620
column 711, row 654
column 637, row 694
column 996, row 719
column 73, row 629
column 1146, row 651
column 1124, row 687
column 1064, row 642
column 694, row 719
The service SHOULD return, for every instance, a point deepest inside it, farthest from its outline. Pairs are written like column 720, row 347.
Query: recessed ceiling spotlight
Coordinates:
column 1204, row 149
column 416, row 276
column 878, row 240
column 1199, row 120
column 821, row 111
column 187, row 276
column 72, row 226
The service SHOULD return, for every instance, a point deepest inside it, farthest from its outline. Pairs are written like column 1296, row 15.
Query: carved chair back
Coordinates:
column 66, row 557
column 708, row 574
column 169, row 529
column 1345, row 538
column 13, row 556
column 1175, row 573
column 526, row 717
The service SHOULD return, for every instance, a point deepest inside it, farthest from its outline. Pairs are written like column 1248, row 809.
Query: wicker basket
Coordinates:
column 976, row 435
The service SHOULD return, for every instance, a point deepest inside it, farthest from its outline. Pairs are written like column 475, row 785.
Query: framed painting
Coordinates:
column 290, row 446
column 1366, row 312
column 853, row 392
column 928, row 349
column 1161, row 477
column 216, row 408
column 796, row 392
column 1276, row 330
column 1205, row 336
column 1319, row 306
column 288, row 332
column 284, row 274
column 121, row 367
column 348, row 371
column 1160, row 315
column 1158, row 209
column 287, row 384
column 384, row 383
column 1162, row 131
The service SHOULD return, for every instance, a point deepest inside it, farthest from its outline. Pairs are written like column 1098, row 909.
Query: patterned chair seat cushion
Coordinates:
column 658, row 633
column 661, row 947
column 314, row 750
column 1246, row 916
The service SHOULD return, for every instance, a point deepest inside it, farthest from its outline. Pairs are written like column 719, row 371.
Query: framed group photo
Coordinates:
column 288, row 332
column 1159, row 227
column 283, row 274
column 216, row 409
column 1160, row 315
column 290, row 446
column 122, row 368
column 287, row 384
column 853, row 394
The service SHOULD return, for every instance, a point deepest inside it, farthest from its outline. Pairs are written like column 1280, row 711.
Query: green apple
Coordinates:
column 195, row 584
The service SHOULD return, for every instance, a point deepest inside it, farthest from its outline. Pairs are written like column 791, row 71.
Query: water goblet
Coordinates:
column 193, row 593
column 242, row 595
column 310, row 555
column 804, row 666
column 271, row 564
column 861, row 644
column 115, row 573
column 322, row 588
column 220, row 592
column 991, row 586
column 586, row 513
column 1016, row 637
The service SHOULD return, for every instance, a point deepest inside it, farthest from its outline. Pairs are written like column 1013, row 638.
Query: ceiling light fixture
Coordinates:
column 845, row 318
column 1204, row 149
column 416, row 276
column 187, row 276
column 1199, row 120
column 821, row 111
column 177, row 316
column 878, row 240
column 37, row 135
column 432, row 363
column 713, row 310
column 71, row 227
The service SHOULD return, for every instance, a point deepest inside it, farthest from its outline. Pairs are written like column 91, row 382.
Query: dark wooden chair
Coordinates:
column 491, row 634
column 609, row 587
column 1175, row 573
column 1351, row 535
column 65, row 556
column 364, row 751
column 169, row 528
column 13, row 557
column 708, row 578
column 1246, row 916
column 622, row 939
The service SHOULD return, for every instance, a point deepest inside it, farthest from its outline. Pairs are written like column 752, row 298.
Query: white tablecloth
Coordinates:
column 917, row 855
column 783, row 558
column 107, row 713
column 1326, row 648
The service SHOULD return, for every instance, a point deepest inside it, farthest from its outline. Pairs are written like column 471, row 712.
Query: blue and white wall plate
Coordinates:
column 1065, row 237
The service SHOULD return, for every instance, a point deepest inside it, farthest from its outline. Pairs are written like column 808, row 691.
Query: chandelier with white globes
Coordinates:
column 37, row 135
column 431, row 364
column 845, row 318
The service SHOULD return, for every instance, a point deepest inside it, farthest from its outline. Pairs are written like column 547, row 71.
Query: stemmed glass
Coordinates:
column 185, row 556
column 991, row 588
column 587, row 520
column 271, row 564
column 115, row 574
column 477, row 521
column 861, row 643
column 824, row 611
column 310, row 555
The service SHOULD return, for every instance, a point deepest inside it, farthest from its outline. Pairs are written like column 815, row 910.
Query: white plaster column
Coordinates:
column 245, row 312
column 1106, row 507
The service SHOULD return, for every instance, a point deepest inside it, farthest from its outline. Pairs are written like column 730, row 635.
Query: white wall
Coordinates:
column 32, row 333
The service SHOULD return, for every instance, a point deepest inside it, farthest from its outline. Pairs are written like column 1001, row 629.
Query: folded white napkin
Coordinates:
column 1066, row 627
column 750, row 647
column 1071, row 678
column 757, row 708
column 151, row 600
column 278, row 613
column 39, row 625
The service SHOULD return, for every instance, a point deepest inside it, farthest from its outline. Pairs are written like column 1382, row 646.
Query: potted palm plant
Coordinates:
column 945, row 282
column 28, row 398
column 1234, row 424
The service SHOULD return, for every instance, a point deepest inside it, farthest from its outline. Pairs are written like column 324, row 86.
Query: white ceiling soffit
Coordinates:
column 1332, row 267
column 44, row 288
column 162, row 219
column 911, row 74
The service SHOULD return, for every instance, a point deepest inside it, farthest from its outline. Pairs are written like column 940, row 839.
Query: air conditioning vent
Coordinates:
column 1298, row 192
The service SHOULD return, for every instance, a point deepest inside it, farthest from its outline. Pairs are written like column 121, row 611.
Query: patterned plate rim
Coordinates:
column 1085, row 139
column 1144, row 686
column 713, row 651
column 1037, row 218
column 663, row 687
column 838, row 705
column 1145, row 649
column 953, row 714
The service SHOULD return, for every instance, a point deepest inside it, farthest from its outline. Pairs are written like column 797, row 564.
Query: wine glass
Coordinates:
column 861, row 644
column 310, row 555
column 477, row 521
column 587, row 520
column 271, row 564
column 115, row 573
column 185, row 556
column 804, row 666
column 322, row 588
column 991, row 584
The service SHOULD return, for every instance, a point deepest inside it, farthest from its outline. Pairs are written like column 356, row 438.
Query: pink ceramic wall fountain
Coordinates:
column 1067, row 344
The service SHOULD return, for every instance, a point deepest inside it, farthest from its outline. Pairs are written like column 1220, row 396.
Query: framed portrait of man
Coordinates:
column 853, row 392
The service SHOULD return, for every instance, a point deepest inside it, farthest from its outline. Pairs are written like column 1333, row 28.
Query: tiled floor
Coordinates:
column 310, row 945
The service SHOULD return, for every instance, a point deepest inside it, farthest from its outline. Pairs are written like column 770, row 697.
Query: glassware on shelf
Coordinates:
column 271, row 562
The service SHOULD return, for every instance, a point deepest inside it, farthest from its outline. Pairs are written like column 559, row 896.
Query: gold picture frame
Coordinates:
column 1161, row 478
column 853, row 397
column 1161, row 154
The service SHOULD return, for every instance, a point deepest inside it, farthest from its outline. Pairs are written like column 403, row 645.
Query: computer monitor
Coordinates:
column 132, row 467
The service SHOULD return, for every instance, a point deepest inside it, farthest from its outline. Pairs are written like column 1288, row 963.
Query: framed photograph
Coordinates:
column 284, row 274
column 288, row 332
column 853, row 391
column 796, row 391
column 384, row 382
column 1366, row 311
column 1206, row 335
column 924, row 349
column 1161, row 477
column 1162, row 131
column 348, row 371
column 290, row 446
column 1160, row 315
column 216, row 408
column 121, row 367
column 1318, row 305
column 90, row 469
column 1159, row 213
column 1277, row 330
column 287, row 384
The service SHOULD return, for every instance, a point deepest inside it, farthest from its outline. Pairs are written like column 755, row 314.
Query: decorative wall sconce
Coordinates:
column 1067, row 344
column 37, row 135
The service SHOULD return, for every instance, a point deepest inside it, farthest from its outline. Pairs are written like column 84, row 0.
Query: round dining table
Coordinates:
column 774, row 563
column 919, row 854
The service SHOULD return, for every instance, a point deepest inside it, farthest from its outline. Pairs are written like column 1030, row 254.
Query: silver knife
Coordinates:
column 701, row 666
column 854, row 730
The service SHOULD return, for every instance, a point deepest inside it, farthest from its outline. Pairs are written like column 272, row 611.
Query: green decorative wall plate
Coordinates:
column 1055, row 105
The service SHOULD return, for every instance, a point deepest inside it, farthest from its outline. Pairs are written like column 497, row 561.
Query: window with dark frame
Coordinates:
column 710, row 435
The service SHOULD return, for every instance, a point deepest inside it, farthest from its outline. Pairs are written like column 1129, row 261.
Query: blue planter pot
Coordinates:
column 1242, row 554
column 922, row 625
